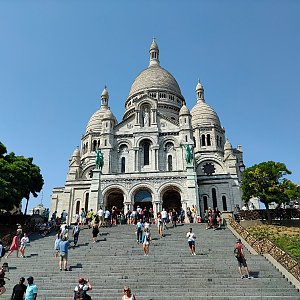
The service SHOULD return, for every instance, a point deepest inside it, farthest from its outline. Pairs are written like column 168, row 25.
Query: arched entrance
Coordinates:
column 171, row 199
column 115, row 198
column 143, row 198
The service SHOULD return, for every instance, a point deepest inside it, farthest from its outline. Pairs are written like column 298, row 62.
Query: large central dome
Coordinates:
column 155, row 78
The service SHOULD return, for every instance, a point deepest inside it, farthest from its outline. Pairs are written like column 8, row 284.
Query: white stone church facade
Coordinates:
column 144, row 154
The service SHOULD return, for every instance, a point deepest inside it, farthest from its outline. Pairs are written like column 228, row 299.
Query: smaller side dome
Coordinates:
column 76, row 152
column 184, row 110
column 204, row 115
column 227, row 146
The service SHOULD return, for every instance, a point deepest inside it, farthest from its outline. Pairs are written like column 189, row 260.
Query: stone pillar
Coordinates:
column 96, row 199
column 192, row 188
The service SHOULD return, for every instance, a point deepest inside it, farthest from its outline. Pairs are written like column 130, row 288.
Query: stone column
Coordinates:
column 96, row 199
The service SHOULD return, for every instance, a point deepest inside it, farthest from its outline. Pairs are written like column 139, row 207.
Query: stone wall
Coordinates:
column 266, row 246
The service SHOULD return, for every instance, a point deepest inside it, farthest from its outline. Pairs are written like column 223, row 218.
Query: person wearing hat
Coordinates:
column 80, row 291
column 19, row 290
column 32, row 289
column 241, row 259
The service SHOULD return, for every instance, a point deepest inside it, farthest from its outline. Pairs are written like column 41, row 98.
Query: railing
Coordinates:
column 266, row 246
column 276, row 214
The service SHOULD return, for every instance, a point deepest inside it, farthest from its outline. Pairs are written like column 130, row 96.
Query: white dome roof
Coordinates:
column 227, row 145
column 204, row 115
column 155, row 78
column 95, row 122
column 76, row 152
column 184, row 110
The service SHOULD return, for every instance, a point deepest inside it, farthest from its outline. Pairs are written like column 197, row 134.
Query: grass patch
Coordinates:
column 287, row 238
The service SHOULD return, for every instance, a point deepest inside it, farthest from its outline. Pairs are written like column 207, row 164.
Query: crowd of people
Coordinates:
column 142, row 218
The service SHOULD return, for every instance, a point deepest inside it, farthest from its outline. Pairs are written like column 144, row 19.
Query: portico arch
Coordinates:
column 114, row 197
column 171, row 197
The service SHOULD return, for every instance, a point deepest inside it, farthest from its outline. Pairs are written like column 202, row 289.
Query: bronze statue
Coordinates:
column 188, row 154
column 99, row 159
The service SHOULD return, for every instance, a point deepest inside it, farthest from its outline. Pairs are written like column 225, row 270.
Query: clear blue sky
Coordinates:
column 56, row 56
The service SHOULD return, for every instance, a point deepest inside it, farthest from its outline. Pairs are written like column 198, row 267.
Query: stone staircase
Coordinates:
column 169, row 272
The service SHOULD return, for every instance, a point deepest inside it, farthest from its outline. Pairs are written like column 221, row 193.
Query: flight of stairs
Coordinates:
column 169, row 272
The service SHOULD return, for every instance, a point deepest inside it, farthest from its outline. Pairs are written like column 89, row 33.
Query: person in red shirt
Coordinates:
column 241, row 259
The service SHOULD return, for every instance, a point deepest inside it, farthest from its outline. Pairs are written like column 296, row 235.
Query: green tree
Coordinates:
column 19, row 178
column 266, row 181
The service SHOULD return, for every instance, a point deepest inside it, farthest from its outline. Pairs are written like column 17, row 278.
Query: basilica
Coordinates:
column 144, row 155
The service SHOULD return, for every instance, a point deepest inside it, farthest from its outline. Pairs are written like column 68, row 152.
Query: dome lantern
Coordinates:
column 104, row 97
column 154, row 54
column 200, row 91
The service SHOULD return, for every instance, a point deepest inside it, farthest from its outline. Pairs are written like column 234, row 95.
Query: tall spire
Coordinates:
column 154, row 54
column 200, row 91
column 104, row 97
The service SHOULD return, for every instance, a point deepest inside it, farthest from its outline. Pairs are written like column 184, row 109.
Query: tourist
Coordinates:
column 146, row 241
column 19, row 290
column 100, row 213
column 76, row 217
column 75, row 233
column 19, row 232
column 189, row 214
column 58, row 238
column 127, row 294
column 80, row 291
column 174, row 217
column 82, row 217
column 194, row 213
column 191, row 241
column 241, row 259
column 107, row 218
column 24, row 243
column 64, row 250
column 14, row 246
column 63, row 216
column 159, row 225
column 2, row 281
column 31, row 291
column 164, row 216
column 139, row 231
column 95, row 232
column 64, row 230
column 89, row 217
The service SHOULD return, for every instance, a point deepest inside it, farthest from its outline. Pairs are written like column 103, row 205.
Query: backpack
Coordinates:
column 80, row 294
column 236, row 253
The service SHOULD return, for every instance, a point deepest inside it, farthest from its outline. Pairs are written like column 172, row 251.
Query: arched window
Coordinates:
column 98, row 143
column 217, row 140
column 77, row 207
column 214, row 198
column 208, row 140
column 224, row 203
column 170, row 163
column 123, row 165
column 221, row 142
column 86, row 147
column 105, row 142
column 86, row 203
column 94, row 145
column 194, row 142
column 203, row 140
column 146, row 153
column 186, row 138
column 205, row 202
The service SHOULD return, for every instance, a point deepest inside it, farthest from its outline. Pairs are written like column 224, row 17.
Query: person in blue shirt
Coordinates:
column 64, row 250
column 32, row 289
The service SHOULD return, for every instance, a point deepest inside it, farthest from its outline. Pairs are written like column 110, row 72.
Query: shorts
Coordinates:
column 191, row 243
column 165, row 220
column 63, row 256
column 242, row 262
